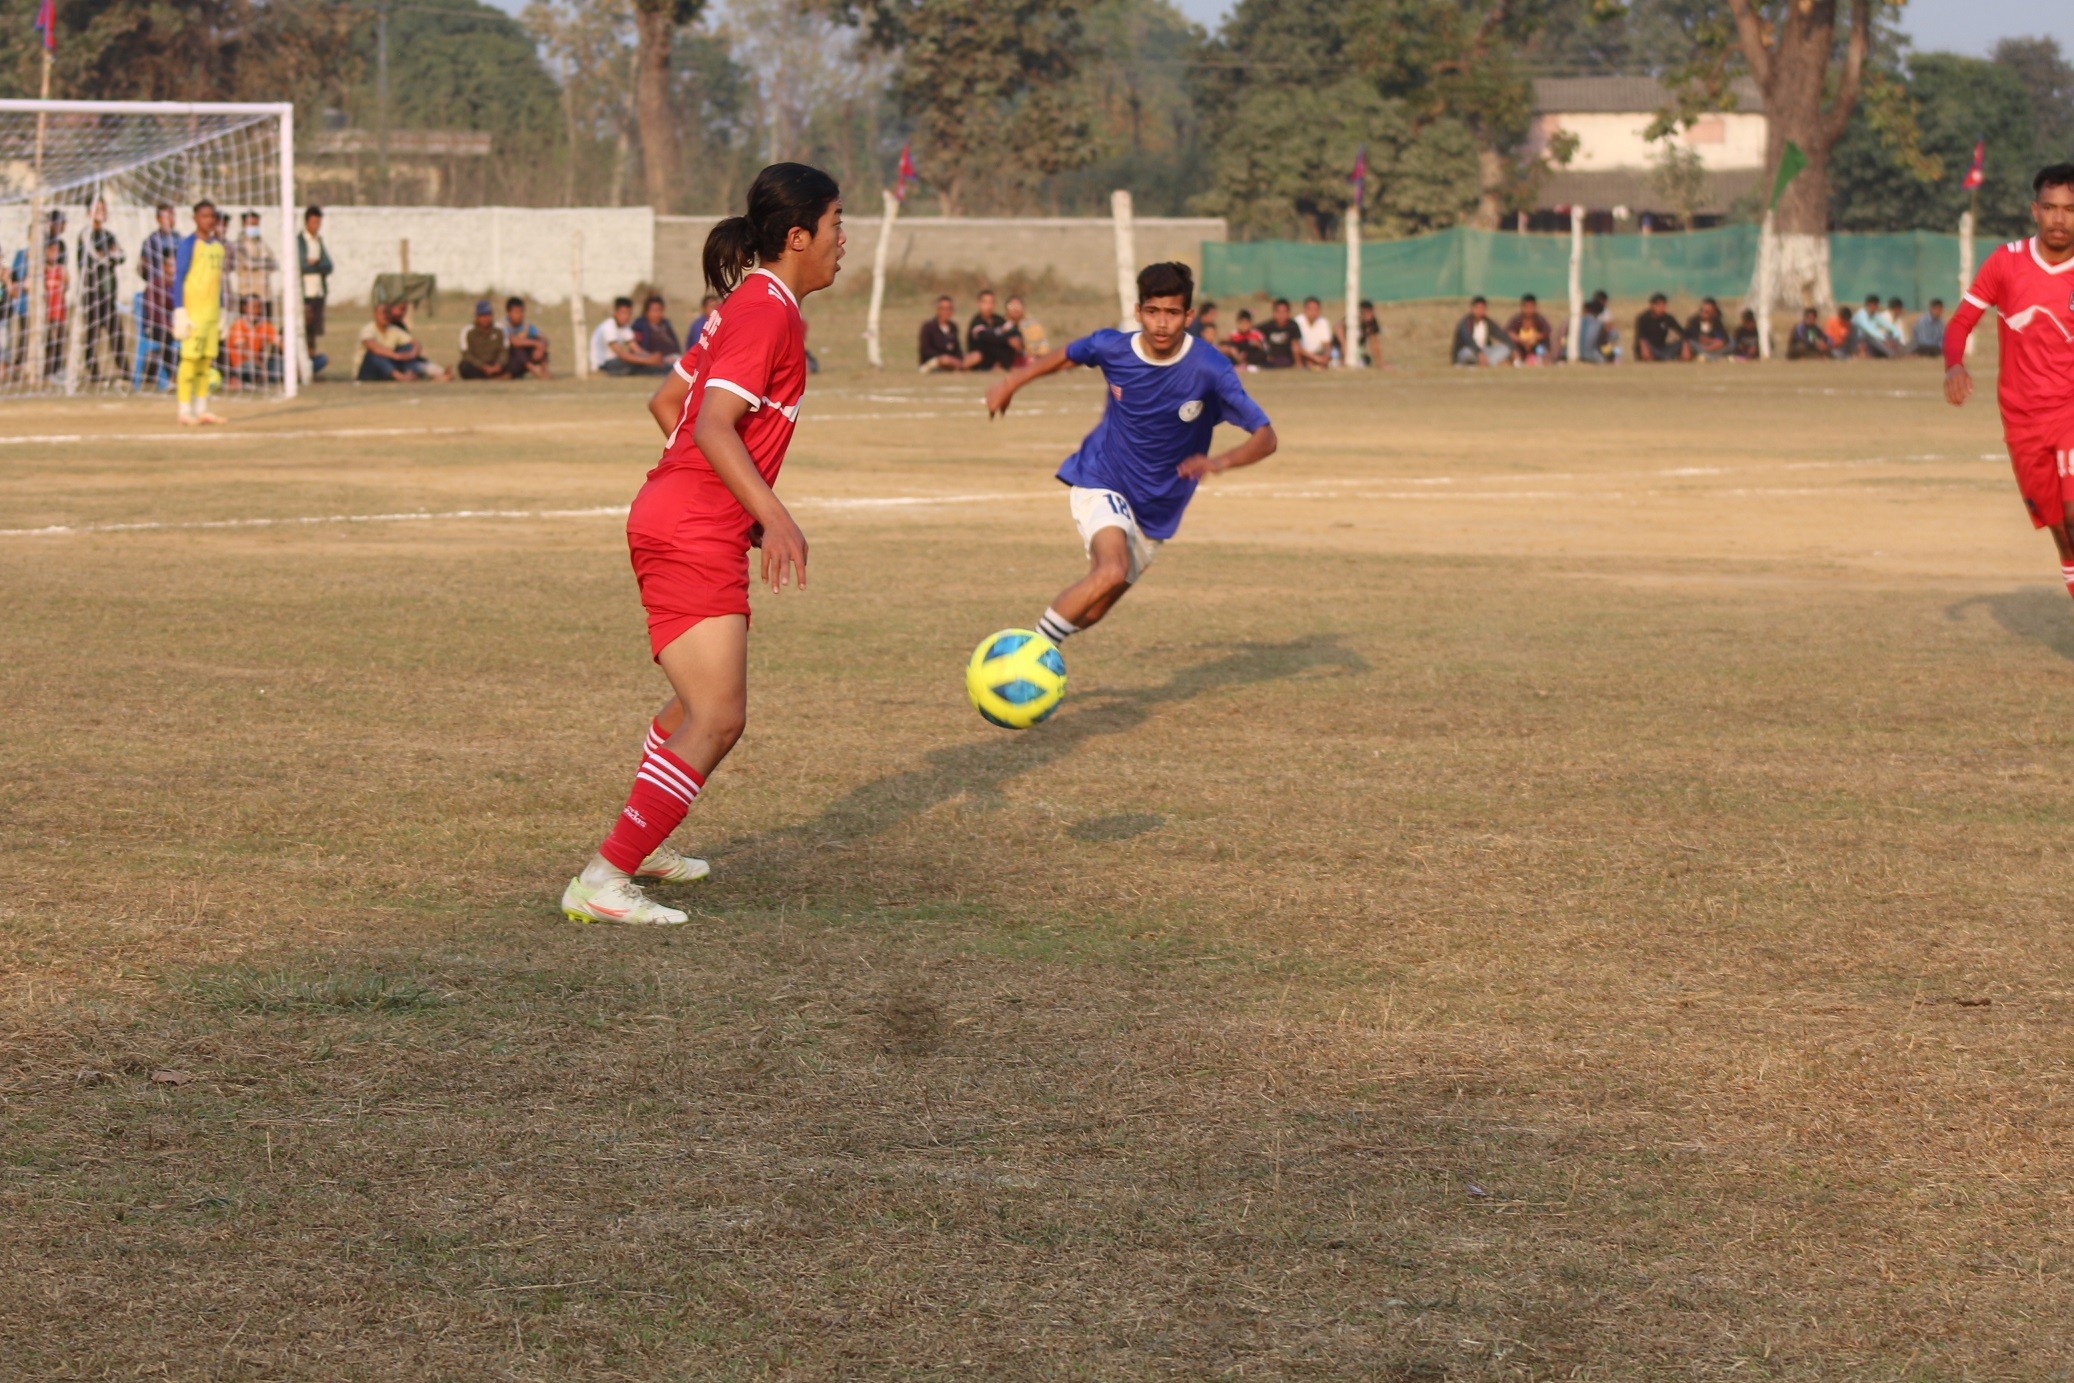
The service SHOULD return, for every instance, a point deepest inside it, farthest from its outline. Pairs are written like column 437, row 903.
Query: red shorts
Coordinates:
column 2044, row 466
column 690, row 578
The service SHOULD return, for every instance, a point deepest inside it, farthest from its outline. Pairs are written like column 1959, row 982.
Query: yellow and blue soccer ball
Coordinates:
column 1016, row 678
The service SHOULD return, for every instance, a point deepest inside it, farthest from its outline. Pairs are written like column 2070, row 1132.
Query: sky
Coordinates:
column 1958, row 26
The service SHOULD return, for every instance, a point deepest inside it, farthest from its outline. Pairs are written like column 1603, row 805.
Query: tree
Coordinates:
column 1680, row 179
column 2048, row 80
column 988, row 87
column 199, row 50
column 1884, row 181
column 656, row 23
column 1434, row 87
column 1146, row 132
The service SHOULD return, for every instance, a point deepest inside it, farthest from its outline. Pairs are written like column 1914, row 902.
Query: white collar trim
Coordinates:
column 1138, row 349
column 781, row 286
column 2062, row 267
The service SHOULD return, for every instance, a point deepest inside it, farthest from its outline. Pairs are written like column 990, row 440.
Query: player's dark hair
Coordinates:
column 205, row 202
column 510, row 303
column 1281, row 302
column 1479, row 298
column 2053, row 175
column 1530, row 298
column 1937, row 302
column 618, row 303
column 1167, row 279
column 313, row 210
column 163, row 206
column 1655, row 298
column 654, row 300
column 1207, row 306
column 785, row 197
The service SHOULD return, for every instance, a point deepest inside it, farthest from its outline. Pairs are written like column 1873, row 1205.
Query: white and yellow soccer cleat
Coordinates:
column 618, row 900
column 666, row 866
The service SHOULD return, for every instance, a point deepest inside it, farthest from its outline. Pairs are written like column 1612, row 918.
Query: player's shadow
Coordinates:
column 978, row 770
column 2037, row 613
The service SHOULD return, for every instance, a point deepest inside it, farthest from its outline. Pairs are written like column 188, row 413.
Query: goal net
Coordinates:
column 88, row 297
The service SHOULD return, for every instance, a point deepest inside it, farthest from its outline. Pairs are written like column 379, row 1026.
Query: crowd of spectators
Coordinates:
column 993, row 340
column 1871, row 332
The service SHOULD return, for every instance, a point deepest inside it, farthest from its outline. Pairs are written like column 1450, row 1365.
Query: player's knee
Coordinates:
column 1112, row 573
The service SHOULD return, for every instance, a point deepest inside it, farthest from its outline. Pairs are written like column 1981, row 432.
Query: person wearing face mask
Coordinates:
column 252, row 264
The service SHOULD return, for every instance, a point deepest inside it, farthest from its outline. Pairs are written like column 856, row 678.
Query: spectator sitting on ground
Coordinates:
column 1873, row 335
column 614, row 349
column 1478, row 339
column 698, row 323
column 485, row 354
column 1928, row 336
column 1748, row 343
column 1026, row 331
column 1808, row 341
column 1530, row 332
column 1371, row 328
column 986, row 336
column 1897, row 318
column 1245, row 347
column 1657, row 333
column 1316, row 341
column 253, row 345
column 654, row 332
column 1594, row 338
column 527, row 342
column 1842, row 340
column 389, row 352
column 1203, row 327
column 1279, row 339
column 937, row 347
column 1707, row 333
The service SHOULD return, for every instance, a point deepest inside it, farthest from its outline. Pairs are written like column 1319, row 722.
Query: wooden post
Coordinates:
column 32, row 368
column 878, row 281
column 1126, row 258
column 1767, row 286
column 1575, row 343
column 1350, row 348
column 578, row 329
column 403, row 255
column 1966, row 260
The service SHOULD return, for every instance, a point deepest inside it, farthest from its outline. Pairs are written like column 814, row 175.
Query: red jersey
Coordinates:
column 754, row 344
column 2036, row 302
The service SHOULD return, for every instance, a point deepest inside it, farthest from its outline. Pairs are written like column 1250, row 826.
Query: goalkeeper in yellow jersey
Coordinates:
column 198, row 312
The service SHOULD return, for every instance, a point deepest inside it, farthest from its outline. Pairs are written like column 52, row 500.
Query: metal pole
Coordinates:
column 1767, row 285
column 1576, row 341
column 578, row 328
column 291, row 266
column 32, row 368
column 1966, row 256
column 878, row 281
column 1350, row 346
column 1126, row 258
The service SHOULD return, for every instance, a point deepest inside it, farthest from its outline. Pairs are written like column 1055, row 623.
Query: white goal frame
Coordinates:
column 291, row 264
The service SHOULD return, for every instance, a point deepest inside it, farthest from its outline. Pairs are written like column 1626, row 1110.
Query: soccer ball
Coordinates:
column 1016, row 678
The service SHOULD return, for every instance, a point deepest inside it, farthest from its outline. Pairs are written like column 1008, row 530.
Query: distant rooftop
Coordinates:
column 1623, row 95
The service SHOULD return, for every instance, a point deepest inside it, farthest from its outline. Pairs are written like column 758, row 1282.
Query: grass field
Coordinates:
column 1555, row 875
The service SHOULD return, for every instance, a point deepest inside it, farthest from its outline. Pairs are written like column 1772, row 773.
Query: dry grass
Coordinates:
column 1554, row 876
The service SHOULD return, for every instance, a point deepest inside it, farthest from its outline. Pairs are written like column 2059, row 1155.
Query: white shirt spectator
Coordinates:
column 604, row 338
column 1317, row 336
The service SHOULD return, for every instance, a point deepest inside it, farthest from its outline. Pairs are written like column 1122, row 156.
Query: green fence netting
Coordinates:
column 1459, row 263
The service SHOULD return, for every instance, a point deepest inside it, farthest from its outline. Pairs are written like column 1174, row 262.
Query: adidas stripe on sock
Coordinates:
column 664, row 788
column 2067, row 575
column 1055, row 626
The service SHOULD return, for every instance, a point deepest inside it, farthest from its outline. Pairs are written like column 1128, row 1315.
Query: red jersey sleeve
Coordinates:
column 746, row 347
column 1985, row 293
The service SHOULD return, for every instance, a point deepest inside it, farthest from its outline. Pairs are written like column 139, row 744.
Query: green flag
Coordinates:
column 1790, row 164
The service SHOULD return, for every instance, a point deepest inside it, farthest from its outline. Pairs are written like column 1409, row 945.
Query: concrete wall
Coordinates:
column 1078, row 251
column 492, row 250
column 1725, row 141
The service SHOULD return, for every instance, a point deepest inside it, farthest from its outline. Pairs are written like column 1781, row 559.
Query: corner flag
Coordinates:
column 1359, row 177
column 1790, row 164
column 1976, row 173
column 47, row 25
column 906, row 174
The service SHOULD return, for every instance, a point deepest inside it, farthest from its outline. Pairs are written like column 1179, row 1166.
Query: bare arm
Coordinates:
column 1258, row 446
column 716, row 438
column 666, row 404
column 1050, row 363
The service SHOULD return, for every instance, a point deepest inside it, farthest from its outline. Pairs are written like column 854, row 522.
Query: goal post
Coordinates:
column 79, row 314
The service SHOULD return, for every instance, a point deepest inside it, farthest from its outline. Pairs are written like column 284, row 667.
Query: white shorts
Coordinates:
column 1095, row 510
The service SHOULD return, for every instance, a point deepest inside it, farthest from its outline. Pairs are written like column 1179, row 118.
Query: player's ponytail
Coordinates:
column 784, row 196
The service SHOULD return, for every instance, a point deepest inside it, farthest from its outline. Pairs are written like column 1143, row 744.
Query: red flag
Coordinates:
column 47, row 24
column 1359, row 177
column 907, row 170
column 1974, row 174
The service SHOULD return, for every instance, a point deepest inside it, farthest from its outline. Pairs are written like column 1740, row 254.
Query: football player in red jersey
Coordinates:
column 728, row 409
column 2031, row 283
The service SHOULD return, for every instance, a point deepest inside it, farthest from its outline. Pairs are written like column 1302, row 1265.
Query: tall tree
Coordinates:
column 212, row 50
column 989, row 87
column 656, row 23
column 1900, row 170
column 2048, row 78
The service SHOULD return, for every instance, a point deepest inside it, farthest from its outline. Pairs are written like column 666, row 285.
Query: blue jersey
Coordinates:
column 1160, row 413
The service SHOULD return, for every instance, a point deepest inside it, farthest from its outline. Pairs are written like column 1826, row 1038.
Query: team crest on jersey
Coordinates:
column 1191, row 410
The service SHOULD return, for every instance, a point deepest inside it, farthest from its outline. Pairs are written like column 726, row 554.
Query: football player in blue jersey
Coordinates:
column 1135, row 473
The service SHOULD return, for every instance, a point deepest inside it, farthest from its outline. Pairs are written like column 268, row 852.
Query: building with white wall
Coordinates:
column 1614, row 163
